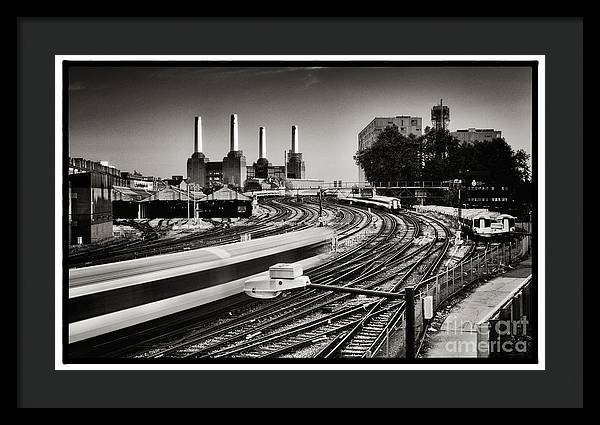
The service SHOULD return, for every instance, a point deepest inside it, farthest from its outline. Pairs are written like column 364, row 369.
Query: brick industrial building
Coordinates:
column 471, row 134
column 233, row 169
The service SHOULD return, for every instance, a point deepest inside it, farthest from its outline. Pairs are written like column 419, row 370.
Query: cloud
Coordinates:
column 223, row 72
column 271, row 71
column 300, row 77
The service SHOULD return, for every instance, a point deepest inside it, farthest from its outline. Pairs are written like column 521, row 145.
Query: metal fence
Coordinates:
column 415, row 184
column 525, row 226
column 448, row 283
column 396, row 184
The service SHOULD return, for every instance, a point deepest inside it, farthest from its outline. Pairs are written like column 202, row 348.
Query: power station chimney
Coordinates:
column 262, row 143
column 294, row 139
column 198, row 134
column 233, row 138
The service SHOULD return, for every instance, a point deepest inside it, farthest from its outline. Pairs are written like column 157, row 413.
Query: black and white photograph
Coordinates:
column 336, row 211
column 340, row 211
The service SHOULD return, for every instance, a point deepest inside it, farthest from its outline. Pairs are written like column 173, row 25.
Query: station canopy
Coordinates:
column 226, row 194
column 167, row 193
column 172, row 193
column 122, row 193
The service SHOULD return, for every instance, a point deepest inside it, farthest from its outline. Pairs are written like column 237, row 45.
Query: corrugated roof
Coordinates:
column 172, row 193
column 167, row 193
column 128, row 193
column 225, row 194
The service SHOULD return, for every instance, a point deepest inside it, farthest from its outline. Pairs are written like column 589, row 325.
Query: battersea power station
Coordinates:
column 233, row 170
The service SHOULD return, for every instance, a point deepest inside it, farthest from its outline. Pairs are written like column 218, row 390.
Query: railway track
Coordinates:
column 356, row 329
column 314, row 323
column 277, row 320
column 347, row 221
column 366, row 338
column 283, row 217
column 352, row 220
column 360, row 337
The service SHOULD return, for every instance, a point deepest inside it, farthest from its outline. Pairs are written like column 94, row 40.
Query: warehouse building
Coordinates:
column 168, row 202
column 80, row 165
column 224, row 203
column 90, row 207
column 472, row 135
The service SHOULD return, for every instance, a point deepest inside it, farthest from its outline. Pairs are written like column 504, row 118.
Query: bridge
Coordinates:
column 421, row 184
column 421, row 190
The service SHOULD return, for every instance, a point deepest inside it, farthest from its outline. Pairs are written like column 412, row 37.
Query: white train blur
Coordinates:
column 108, row 297
column 385, row 203
column 478, row 223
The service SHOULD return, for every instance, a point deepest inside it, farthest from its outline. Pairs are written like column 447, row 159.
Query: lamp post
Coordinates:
column 320, row 203
column 188, row 203
column 459, row 201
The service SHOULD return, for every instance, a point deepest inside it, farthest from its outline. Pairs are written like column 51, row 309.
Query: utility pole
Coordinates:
column 409, row 314
column 195, row 210
column 188, row 204
column 320, row 207
column 459, row 202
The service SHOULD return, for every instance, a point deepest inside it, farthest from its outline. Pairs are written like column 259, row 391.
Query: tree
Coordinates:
column 442, row 155
column 392, row 157
column 502, row 165
column 437, row 156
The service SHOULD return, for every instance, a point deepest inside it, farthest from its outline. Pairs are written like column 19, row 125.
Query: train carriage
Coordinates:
column 385, row 203
column 488, row 224
column 478, row 223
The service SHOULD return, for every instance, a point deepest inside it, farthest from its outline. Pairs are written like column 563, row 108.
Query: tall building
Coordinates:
column 440, row 116
column 196, row 164
column 367, row 136
column 471, row 134
column 295, row 164
column 263, row 169
column 90, row 207
column 234, row 164
column 261, row 166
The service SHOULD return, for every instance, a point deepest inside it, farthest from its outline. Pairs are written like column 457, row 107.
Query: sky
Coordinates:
column 142, row 118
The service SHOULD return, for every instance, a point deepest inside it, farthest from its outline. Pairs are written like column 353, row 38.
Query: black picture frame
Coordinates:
column 40, row 385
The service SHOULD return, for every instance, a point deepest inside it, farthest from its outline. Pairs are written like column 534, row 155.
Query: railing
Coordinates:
column 448, row 283
column 506, row 331
column 415, row 184
column 384, row 184
column 524, row 226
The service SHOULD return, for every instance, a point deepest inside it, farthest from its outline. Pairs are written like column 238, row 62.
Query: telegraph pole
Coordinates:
column 320, row 207
column 409, row 314
column 459, row 201
column 188, row 204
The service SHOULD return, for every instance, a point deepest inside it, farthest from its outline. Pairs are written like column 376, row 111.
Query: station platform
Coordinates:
column 457, row 336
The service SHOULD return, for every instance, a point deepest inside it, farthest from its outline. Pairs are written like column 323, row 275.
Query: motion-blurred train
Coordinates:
column 108, row 297
column 384, row 203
